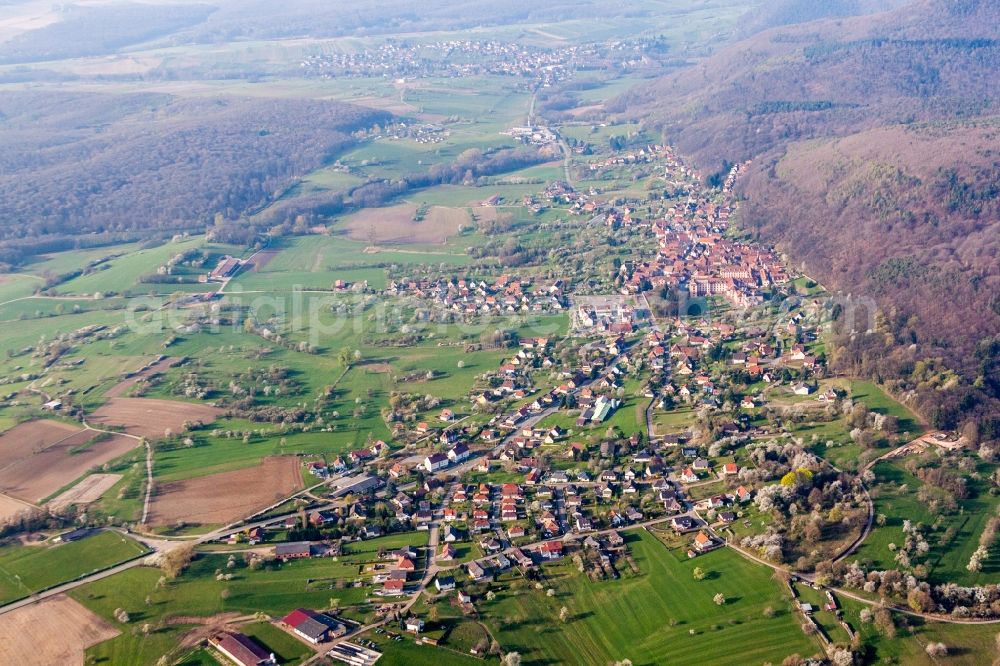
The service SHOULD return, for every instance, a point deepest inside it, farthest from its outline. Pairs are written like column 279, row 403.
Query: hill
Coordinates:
column 875, row 164
column 82, row 163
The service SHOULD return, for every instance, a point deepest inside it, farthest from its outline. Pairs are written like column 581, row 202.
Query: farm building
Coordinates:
column 242, row 650
column 226, row 269
column 312, row 626
column 292, row 551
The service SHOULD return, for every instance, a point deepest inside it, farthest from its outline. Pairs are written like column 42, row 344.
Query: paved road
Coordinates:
column 66, row 587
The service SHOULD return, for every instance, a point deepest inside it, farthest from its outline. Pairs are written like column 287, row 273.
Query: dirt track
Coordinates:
column 219, row 499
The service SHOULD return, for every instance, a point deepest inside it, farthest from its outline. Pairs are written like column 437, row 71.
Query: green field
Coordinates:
column 28, row 569
column 895, row 496
column 659, row 614
column 275, row 590
column 878, row 401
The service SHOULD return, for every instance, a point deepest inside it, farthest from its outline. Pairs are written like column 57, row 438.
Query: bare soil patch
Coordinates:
column 398, row 224
column 121, row 388
column 33, row 436
column 261, row 259
column 377, row 368
column 56, row 631
column 227, row 496
column 11, row 508
column 87, row 491
column 151, row 418
column 37, row 475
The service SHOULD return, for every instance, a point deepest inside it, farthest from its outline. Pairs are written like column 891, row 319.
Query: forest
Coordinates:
column 875, row 165
column 114, row 164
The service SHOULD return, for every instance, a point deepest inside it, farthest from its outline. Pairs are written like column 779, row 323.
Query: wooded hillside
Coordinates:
column 74, row 163
column 876, row 162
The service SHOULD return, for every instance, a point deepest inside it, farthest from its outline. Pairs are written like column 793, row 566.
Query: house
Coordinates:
column 447, row 414
column 447, row 553
column 476, row 571
column 802, row 389
column 688, row 475
column 414, row 625
column 729, row 469
column 444, row 583
column 682, row 523
column 312, row 626
column 435, row 462
column 458, row 453
column 393, row 587
column 293, row 551
column 742, row 494
column 551, row 550
column 241, row 649
column 704, row 543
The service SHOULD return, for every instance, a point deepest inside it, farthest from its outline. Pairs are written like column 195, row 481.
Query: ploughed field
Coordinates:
column 227, row 496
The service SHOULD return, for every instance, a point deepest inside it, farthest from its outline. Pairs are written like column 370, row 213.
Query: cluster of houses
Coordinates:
column 394, row 580
column 457, row 59
column 506, row 295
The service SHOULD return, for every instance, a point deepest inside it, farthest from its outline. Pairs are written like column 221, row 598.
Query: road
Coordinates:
column 66, row 587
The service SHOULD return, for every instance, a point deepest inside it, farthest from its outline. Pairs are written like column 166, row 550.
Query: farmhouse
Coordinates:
column 293, row 551
column 227, row 267
column 241, row 650
column 312, row 626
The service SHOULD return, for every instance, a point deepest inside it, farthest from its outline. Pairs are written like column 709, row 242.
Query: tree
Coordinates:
column 563, row 614
column 512, row 659
column 698, row 573
column 719, row 599
column 937, row 649
column 175, row 561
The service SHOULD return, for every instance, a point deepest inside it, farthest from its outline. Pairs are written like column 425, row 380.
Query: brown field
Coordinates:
column 10, row 508
column 87, row 491
column 121, row 388
column 148, row 417
column 395, row 224
column 33, row 436
column 56, row 631
column 39, row 473
column 261, row 259
column 227, row 496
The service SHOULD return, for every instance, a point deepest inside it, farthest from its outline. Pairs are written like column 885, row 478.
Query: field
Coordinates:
column 227, row 496
column 644, row 617
column 87, row 491
column 399, row 224
column 26, row 634
column 877, row 401
column 121, row 389
column 895, row 497
column 275, row 589
column 145, row 417
column 40, row 457
column 28, row 569
column 11, row 507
